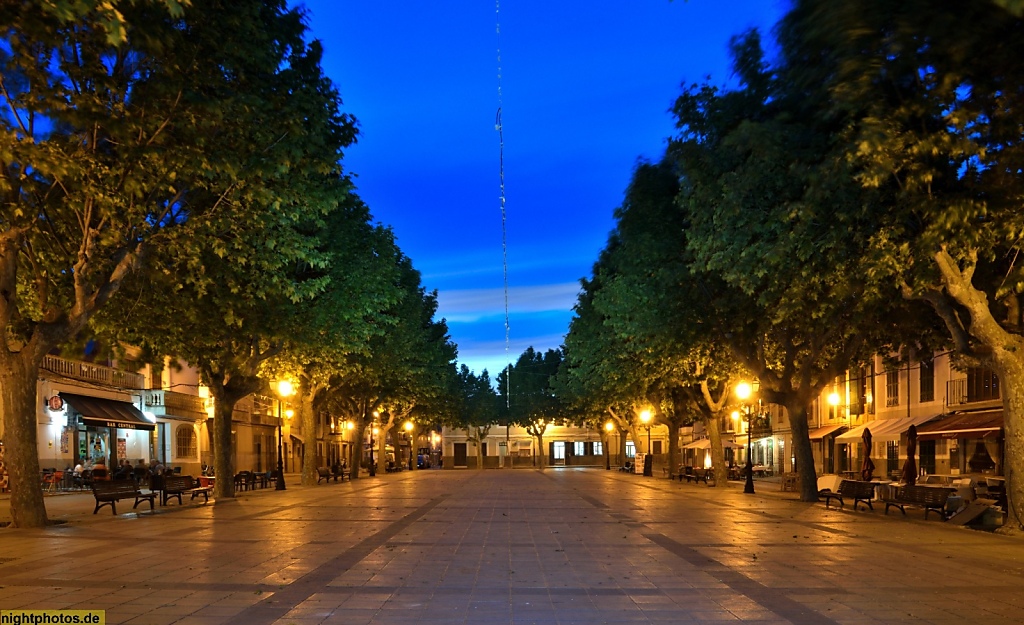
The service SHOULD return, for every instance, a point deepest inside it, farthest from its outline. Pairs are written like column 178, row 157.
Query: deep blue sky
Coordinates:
column 586, row 88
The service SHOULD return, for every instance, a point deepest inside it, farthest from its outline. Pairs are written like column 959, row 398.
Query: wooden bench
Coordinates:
column 338, row 472
column 108, row 493
column 178, row 485
column 698, row 475
column 928, row 497
column 323, row 473
column 859, row 492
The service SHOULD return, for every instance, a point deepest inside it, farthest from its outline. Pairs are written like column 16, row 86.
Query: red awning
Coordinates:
column 984, row 424
column 816, row 434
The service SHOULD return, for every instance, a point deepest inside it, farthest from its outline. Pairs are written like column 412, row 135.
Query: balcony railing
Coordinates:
column 181, row 404
column 963, row 391
column 97, row 374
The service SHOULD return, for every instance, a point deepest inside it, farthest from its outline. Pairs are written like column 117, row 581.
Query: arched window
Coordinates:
column 185, row 437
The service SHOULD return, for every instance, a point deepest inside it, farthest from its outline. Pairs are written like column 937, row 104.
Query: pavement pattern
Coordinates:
column 560, row 546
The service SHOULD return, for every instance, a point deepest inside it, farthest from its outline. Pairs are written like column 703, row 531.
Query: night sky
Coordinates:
column 586, row 89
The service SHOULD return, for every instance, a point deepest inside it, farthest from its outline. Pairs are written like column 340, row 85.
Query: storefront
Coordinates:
column 104, row 429
column 972, row 442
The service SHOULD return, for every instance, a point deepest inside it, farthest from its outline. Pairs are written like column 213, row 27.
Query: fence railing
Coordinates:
column 98, row 374
column 181, row 404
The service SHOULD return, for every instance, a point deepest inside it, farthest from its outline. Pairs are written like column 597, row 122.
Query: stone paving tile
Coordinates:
column 552, row 547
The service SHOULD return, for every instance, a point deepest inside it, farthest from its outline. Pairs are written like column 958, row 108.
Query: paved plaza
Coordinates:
column 485, row 547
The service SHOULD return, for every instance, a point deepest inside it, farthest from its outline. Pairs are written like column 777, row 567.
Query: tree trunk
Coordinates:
column 223, row 462
column 622, row 447
column 1010, row 369
column 307, row 416
column 18, row 374
column 382, row 449
column 675, row 459
column 797, row 409
column 713, row 426
column 540, row 452
column 356, row 449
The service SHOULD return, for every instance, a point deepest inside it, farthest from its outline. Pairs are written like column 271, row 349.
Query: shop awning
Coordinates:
column 108, row 413
column 894, row 428
column 983, row 424
column 884, row 429
column 819, row 433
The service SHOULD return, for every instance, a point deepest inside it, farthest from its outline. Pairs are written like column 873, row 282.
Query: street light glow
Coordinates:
column 408, row 426
column 833, row 398
column 743, row 390
column 645, row 416
column 609, row 427
column 284, row 388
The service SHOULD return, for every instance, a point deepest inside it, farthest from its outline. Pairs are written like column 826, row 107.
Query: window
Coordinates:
column 598, row 448
column 982, row 384
column 630, row 449
column 579, row 448
column 892, row 457
column 185, row 442
column 927, row 380
column 892, row 387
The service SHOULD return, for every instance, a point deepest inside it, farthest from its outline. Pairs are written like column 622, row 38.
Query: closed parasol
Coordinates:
column 868, row 468
column 910, row 466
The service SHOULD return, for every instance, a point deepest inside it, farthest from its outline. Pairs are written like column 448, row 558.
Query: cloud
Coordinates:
column 469, row 305
column 490, row 355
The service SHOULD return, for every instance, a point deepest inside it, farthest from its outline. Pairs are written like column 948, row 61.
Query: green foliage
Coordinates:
column 929, row 97
column 478, row 402
column 526, row 389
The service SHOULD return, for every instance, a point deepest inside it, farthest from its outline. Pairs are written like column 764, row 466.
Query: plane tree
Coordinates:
column 527, row 396
column 127, row 132
column 928, row 103
column 773, row 214
column 321, row 332
column 406, row 371
column 476, row 409
column 659, row 317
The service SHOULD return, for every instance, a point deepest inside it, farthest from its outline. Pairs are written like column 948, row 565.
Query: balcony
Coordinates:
column 980, row 385
column 96, row 374
column 178, row 404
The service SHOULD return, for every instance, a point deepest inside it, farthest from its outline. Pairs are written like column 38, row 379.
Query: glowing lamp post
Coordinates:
column 744, row 391
column 408, row 429
column 833, row 401
column 608, row 427
column 373, row 434
column 645, row 418
column 284, row 389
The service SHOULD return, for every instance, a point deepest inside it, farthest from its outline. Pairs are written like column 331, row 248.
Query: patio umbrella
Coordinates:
column 910, row 466
column 869, row 467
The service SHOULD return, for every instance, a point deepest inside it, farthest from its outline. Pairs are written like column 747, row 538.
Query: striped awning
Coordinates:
column 884, row 429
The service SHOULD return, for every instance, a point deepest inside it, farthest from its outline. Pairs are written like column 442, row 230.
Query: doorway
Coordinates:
column 460, row 455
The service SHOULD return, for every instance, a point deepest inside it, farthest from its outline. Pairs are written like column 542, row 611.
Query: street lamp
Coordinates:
column 645, row 418
column 833, row 402
column 284, row 389
column 373, row 433
column 608, row 427
column 743, row 392
column 408, row 428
